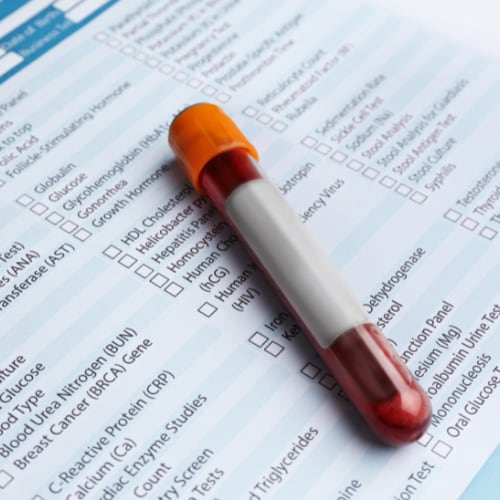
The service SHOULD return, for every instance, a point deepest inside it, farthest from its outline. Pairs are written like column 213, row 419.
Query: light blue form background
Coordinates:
column 485, row 485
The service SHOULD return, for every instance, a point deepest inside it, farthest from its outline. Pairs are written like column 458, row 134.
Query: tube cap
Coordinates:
column 201, row 132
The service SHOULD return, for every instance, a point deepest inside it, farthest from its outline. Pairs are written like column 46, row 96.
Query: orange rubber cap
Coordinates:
column 202, row 132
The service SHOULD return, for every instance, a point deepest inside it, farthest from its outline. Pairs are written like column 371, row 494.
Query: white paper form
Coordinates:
column 143, row 354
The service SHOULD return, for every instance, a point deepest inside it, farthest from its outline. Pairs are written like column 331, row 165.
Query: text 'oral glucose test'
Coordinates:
column 222, row 164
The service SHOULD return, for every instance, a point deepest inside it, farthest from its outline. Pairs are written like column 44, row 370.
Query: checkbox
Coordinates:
column 167, row 69
column 209, row 90
column 68, row 226
column 207, row 309
column 127, row 261
column 425, row 439
column 371, row 173
column 250, row 111
column 128, row 50
column 469, row 224
column 403, row 190
column 194, row 83
column 264, row 119
column 114, row 43
column 339, row 157
column 159, row 280
column 54, row 218
column 488, row 233
column 181, row 76
column 82, row 234
column 174, row 289
column 5, row 479
column 418, row 197
column 323, row 148
column 327, row 381
column 112, row 252
column 144, row 271
column 222, row 97
column 39, row 208
column 279, row 126
column 25, row 200
column 309, row 142
column 342, row 394
column 355, row 165
column 274, row 349
column 258, row 339
column 310, row 370
column 453, row 215
column 140, row 56
column 442, row 449
column 101, row 37
column 152, row 62
column 388, row 182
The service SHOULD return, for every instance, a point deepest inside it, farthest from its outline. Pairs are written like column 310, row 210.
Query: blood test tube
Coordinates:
column 222, row 164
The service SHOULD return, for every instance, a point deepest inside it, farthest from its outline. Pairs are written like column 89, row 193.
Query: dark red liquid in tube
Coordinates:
column 221, row 163
column 378, row 384
column 364, row 363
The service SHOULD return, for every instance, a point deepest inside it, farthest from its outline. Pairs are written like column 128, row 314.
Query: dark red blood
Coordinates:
column 224, row 173
column 378, row 383
column 364, row 363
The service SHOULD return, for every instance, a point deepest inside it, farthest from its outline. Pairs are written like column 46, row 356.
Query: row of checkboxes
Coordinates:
column 166, row 69
column 55, row 218
column 439, row 448
column 314, row 372
column 264, row 119
column 144, row 271
column 263, row 342
column 371, row 173
column 195, row 83
column 470, row 224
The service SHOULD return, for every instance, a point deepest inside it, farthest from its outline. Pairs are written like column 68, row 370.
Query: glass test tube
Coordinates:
column 222, row 164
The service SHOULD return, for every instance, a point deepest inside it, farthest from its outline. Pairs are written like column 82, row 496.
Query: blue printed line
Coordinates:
column 351, row 24
column 477, row 304
column 406, row 53
column 76, row 55
column 9, row 212
column 477, row 113
column 74, row 285
column 178, row 362
column 412, row 90
column 275, row 441
column 424, row 77
column 379, row 216
column 9, row 6
column 329, row 448
column 396, row 60
column 359, row 56
column 31, row 40
column 444, row 283
column 122, row 122
column 231, row 423
column 89, row 319
column 68, row 93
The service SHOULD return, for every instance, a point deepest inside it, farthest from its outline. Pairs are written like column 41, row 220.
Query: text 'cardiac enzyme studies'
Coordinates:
column 144, row 353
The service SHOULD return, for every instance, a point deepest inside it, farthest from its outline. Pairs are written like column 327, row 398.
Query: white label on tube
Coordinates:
column 294, row 260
